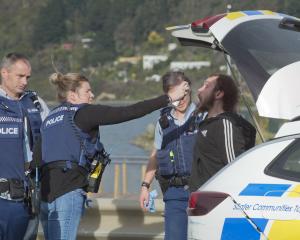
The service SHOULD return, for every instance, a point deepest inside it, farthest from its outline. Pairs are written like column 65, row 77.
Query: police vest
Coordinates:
column 32, row 110
column 12, row 147
column 176, row 153
column 62, row 140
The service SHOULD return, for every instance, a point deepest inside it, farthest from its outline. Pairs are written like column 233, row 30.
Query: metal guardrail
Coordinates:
column 123, row 177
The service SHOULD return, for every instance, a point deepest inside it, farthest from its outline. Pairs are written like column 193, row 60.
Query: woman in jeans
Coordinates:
column 67, row 132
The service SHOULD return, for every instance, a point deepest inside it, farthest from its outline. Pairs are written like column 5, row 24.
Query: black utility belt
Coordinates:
column 62, row 164
column 14, row 187
column 175, row 181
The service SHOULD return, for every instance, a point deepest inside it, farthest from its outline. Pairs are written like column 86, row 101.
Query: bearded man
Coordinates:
column 223, row 135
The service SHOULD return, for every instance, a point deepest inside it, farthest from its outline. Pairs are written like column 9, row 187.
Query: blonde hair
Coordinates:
column 65, row 83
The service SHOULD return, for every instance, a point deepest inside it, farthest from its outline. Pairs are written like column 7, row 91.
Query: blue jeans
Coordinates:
column 60, row 218
column 14, row 219
column 176, row 203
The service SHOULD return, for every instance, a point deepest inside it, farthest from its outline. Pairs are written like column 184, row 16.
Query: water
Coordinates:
column 117, row 138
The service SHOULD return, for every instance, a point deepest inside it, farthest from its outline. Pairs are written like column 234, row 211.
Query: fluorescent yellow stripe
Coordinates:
column 295, row 192
column 171, row 28
column 235, row 15
column 285, row 230
column 267, row 12
column 178, row 27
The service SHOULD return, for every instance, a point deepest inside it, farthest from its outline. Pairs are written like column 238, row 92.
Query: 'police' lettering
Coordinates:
column 9, row 131
column 54, row 120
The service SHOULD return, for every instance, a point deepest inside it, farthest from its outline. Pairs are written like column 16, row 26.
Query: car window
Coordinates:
column 260, row 48
column 287, row 164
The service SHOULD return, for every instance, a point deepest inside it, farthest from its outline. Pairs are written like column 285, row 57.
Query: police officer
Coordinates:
column 69, row 143
column 21, row 114
column 172, row 157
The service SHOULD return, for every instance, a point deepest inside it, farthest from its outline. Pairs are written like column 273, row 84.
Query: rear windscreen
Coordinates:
column 259, row 48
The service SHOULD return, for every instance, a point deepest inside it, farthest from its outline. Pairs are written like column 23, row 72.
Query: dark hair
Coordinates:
column 12, row 58
column 171, row 79
column 231, row 94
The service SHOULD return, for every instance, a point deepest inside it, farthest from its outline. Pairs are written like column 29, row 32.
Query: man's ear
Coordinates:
column 219, row 94
column 4, row 73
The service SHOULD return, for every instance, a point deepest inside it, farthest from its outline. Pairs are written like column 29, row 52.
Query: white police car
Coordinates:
column 258, row 195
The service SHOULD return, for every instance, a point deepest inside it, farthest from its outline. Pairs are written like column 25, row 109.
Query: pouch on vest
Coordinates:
column 166, row 162
column 4, row 186
column 16, row 188
column 164, row 119
column 98, row 164
column 33, row 193
column 163, row 183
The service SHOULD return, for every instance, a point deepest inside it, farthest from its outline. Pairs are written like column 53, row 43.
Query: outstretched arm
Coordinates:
column 91, row 116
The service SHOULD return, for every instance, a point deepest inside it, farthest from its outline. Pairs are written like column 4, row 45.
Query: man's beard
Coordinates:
column 207, row 103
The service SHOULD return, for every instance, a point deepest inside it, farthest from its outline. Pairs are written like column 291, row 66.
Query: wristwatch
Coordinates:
column 145, row 184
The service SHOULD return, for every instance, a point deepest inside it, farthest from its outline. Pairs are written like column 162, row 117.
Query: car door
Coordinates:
column 266, row 206
column 265, row 47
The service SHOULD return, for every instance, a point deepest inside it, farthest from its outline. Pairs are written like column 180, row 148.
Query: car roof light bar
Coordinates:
column 203, row 25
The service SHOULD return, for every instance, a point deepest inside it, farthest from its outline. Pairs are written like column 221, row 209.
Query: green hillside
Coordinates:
column 90, row 36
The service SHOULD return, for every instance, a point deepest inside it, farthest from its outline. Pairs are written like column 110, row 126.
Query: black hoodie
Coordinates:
column 219, row 141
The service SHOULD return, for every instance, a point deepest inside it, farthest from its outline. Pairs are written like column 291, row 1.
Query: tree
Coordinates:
column 50, row 24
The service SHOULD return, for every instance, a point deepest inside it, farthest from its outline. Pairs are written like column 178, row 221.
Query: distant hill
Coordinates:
column 88, row 36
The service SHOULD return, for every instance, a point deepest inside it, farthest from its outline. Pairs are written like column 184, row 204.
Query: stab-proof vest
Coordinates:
column 62, row 140
column 32, row 110
column 12, row 113
column 176, row 153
